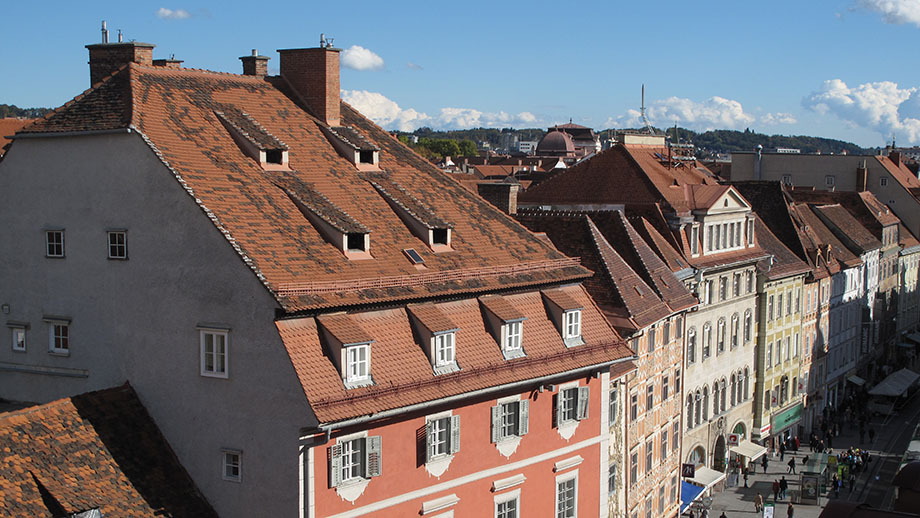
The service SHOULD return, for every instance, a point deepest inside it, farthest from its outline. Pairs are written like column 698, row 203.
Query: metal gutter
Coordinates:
column 72, row 133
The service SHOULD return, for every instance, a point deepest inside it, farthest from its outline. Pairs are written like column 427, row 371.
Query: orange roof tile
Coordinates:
column 345, row 328
column 501, row 308
column 561, row 299
column 99, row 450
column 257, row 210
column 403, row 374
column 431, row 316
column 8, row 126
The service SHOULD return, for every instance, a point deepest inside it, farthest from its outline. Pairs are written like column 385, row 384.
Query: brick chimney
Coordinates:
column 314, row 75
column 895, row 157
column 862, row 176
column 168, row 63
column 255, row 65
column 106, row 58
column 502, row 195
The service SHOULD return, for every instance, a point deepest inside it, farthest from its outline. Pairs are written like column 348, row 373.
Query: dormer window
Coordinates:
column 565, row 312
column 253, row 139
column 274, row 156
column 349, row 347
column 367, row 157
column 573, row 324
column 420, row 219
column 512, row 333
column 356, row 242
column 437, row 335
column 506, row 324
column 354, row 147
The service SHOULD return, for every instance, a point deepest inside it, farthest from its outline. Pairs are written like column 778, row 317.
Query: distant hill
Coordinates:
column 708, row 143
column 13, row 111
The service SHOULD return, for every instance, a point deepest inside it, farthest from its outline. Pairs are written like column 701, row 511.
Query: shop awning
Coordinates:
column 706, row 477
column 856, row 380
column 689, row 494
column 895, row 384
column 748, row 449
column 914, row 337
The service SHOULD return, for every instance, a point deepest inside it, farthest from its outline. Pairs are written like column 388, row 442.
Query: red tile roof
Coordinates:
column 99, row 450
column 403, row 374
column 848, row 228
column 784, row 262
column 8, row 126
column 257, row 210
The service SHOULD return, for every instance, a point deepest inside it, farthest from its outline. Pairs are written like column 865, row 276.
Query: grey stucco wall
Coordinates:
column 136, row 320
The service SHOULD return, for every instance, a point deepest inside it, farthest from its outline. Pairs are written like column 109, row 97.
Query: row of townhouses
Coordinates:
column 302, row 317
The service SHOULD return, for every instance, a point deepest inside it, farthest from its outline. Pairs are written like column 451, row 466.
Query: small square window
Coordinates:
column 118, row 244
column 883, row 181
column 19, row 338
column 214, row 353
column 54, row 243
column 232, row 465
column 59, row 338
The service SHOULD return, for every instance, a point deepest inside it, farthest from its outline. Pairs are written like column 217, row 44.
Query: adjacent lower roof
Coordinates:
column 99, row 450
column 403, row 374
column 174, row 111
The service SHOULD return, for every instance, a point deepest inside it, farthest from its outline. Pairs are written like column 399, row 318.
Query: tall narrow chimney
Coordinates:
column 758, row 162
column 106, row 58
column 862, row 177
column 314, row 75
column 895, row 157
column 255, row 65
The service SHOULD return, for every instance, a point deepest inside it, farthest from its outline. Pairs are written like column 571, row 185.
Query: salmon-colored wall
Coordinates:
column 403, row 471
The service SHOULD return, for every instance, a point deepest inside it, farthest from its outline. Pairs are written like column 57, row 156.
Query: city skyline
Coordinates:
column 835, row 70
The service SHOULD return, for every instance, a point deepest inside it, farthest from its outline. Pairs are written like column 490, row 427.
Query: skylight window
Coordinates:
column 413, row 256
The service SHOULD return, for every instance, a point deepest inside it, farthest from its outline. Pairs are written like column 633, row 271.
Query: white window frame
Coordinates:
column 695, row 239
column 51, row 247
column 213, row 372
column 59, row 334
column 572, row 324
column 499, row 413
column 504, row 498
column 512, row 336
column 354, row 469
column 566, row 479
column 16, row 332
column 443, row 424
column 121, row 249
column 227, row 462
column 444, row 343
column 354, row 374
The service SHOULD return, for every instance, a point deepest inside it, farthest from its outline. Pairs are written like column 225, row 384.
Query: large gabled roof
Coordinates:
column 782, row 263
column 174, row 110
column 850, row 231
column 99, row 450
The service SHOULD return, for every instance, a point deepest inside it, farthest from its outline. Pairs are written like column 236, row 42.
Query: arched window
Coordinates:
column 733, row 389
column 715, row 398
column 722, row 395
column 704, row 399
column 734, row 330
column 707, row 340
column 697, row 410
column 748, row 325
column 691, row 345
column 689, row 412
column 741, row 381
column 697, row 456
column 720, row 336
column 747, row 375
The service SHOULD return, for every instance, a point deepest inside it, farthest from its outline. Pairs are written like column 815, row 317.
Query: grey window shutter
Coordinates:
column 524, row 415
column 557, row 403
column 496, row 423
column 428, row 441
column 583, row 398
column 454, row 434
column 335, row 465
column 373, row 456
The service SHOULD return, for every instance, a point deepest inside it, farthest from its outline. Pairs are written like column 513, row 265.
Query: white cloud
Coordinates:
column 384, row 111
column 414, row 66
column 773, row 119
column 882, row 106
column 359, row 58
column 390, row 115
column 894, row 11
column 715, row 112
column 172, row 14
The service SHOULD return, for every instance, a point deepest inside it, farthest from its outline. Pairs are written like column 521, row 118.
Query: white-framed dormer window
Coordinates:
column 118, row 244
column 18, row 335
column 445, row 349
column 58, row 337
column 357, row 363
column 232, row 465
column 214, row 352
column 54, row 243
column 512, row 337
column 572, row 325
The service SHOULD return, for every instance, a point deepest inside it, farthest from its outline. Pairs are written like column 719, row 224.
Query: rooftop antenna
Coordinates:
column 105, row 33
column 120, row 36
column 322, row 40
column 648, row 126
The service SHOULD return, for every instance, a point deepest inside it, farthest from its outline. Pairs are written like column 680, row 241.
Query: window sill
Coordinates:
column 360, row 383
column 574, row 341
column 217, row 375
column 511, row 355
column 446, row 369
column 508, row 445
column 58, row 352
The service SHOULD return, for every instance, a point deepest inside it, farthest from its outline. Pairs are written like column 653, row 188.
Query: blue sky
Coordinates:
column 839, row 69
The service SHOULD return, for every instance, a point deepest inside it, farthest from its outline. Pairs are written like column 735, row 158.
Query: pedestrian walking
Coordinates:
column 783, row 486
column 836, row 482
column 791, row 466
column 775, row 490
column 763, row 462
column 782, row 451
column 723, row 515
column 790, row 511
column 758, row 503
column 705, row 513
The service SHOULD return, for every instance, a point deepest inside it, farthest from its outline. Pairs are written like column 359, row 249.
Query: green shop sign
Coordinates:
column 787, row 417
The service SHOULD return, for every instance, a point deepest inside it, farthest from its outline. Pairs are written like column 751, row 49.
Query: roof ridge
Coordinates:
column 169, row 70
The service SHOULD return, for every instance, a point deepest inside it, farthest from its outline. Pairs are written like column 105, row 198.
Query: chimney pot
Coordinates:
column 314, row 75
